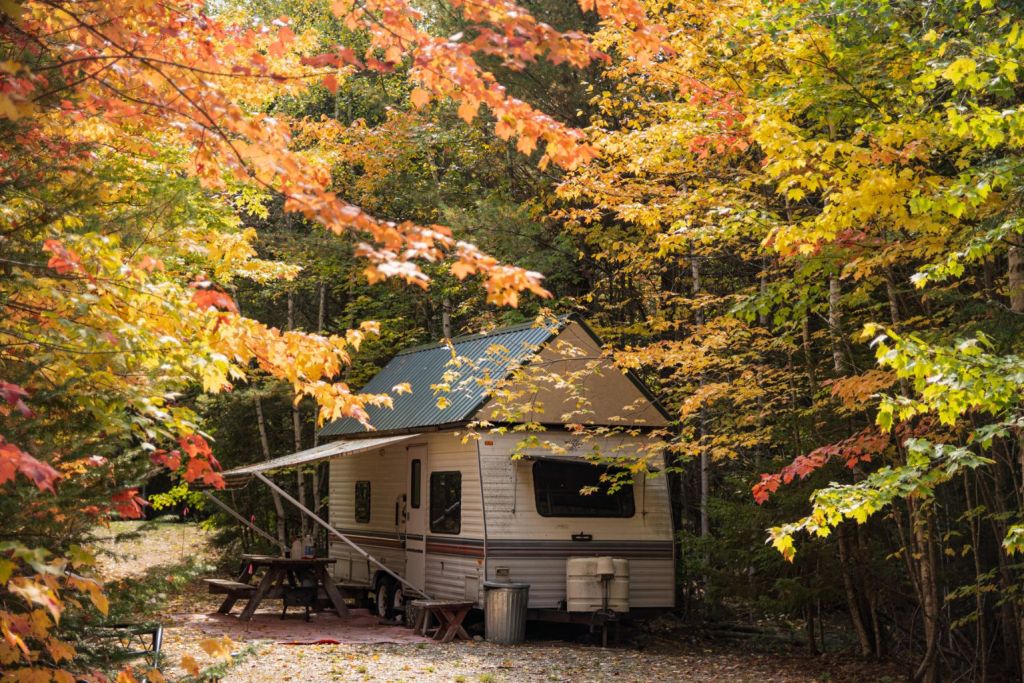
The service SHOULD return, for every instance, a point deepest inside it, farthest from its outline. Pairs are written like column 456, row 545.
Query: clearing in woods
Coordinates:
column 179, row 554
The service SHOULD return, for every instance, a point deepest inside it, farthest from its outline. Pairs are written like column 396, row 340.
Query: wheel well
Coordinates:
column 379, row 578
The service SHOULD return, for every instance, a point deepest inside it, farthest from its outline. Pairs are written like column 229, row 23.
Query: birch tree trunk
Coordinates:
column 835, row 323
column 278, row 507
column 297, row 429
column 446, row 318
column 320, row 315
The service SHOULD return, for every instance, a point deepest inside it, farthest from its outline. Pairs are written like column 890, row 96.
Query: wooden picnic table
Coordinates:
column 449, row 615
column 279, row 571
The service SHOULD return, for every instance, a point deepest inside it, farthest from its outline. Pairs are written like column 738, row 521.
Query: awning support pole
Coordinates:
column 370, row 558
column 224, row 506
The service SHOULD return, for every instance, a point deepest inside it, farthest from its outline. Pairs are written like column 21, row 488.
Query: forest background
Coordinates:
column 798, row 222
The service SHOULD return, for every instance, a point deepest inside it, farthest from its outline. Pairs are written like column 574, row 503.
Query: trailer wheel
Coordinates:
column 384, row 598
column 398, row 603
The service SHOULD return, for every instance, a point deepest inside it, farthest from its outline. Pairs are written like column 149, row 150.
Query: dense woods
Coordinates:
column 798, row 222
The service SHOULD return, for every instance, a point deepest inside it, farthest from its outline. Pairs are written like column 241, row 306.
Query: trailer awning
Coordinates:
column 240, row 476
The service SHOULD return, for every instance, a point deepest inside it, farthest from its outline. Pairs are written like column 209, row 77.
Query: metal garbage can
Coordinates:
column 505, row 611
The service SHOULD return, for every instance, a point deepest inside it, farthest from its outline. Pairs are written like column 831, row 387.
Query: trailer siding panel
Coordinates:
column 454, row 578
column 446, row 453
column 386, row 472
column 512, row 511
column 651, row 581
column 534, row 549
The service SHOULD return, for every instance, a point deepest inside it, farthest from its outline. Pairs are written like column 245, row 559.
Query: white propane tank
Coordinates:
column 618, row 598
column 606, row 567
column 585, row 589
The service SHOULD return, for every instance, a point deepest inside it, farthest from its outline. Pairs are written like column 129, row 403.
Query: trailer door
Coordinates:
column 416, row 522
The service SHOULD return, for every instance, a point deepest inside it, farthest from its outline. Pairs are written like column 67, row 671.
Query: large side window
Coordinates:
column 557, row 487
column 415, row 477
column 363, row 501
column 445, row 502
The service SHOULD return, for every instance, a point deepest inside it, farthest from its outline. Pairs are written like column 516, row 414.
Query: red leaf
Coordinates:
column 768, row 485
column 171, row 461
column 41, row 474
column 195, row 445
column 14, row 460
column 14, row 396
column 325, row 59
column 129, row 503
column 63, row 260
column 211, row 298
column 10, row 457
column 149, row 264
column 852, row 450
column 12, row 393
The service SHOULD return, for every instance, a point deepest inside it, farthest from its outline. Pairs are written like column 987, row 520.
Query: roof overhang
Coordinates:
column 240, row 476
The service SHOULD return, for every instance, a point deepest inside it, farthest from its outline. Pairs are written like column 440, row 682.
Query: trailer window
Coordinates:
column 363, row 502
column 557, row 486
column 414, row 484
column 445, row 502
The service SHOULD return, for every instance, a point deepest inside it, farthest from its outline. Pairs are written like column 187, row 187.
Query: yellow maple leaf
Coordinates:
column 190, row 665
column 219, row 648
column 419, row 97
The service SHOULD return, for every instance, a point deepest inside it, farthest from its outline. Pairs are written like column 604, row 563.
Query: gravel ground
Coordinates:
column 162, row 544
column 485, row 663
column 263, row 661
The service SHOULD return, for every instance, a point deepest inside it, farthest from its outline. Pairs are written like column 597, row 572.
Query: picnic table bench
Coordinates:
column 278, row 582
column 232, row 590
column 449, row 615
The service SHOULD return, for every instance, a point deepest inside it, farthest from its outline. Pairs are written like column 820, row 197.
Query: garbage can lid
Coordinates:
column 488, row 585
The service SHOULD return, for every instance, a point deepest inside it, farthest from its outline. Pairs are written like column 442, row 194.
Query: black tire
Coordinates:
column 398, row 603
column 384, row 598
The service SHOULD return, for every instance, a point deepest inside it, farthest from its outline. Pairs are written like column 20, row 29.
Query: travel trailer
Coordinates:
column 450, row 491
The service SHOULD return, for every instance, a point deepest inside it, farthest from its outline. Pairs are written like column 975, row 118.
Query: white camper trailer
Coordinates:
column 422, row 506
column 449, row 511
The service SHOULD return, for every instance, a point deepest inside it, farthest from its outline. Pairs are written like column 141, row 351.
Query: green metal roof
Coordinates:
column 491, row 356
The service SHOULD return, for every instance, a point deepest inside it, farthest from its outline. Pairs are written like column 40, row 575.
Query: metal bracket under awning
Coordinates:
column 240, row 476
column 309, row 513
column 234, row 513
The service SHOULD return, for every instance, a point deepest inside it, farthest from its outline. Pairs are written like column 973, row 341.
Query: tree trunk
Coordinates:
column 850, row 588
column 320, row 315
column 282, row 535
column 297, row 429
column 835, row 323
column 995, row 500
column 762, row 314
column 446, row 318
column 705, row 465
column 1015, row 274
column 931, row 607
column 894, row 304
column 805, row 334
column 980, row 630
